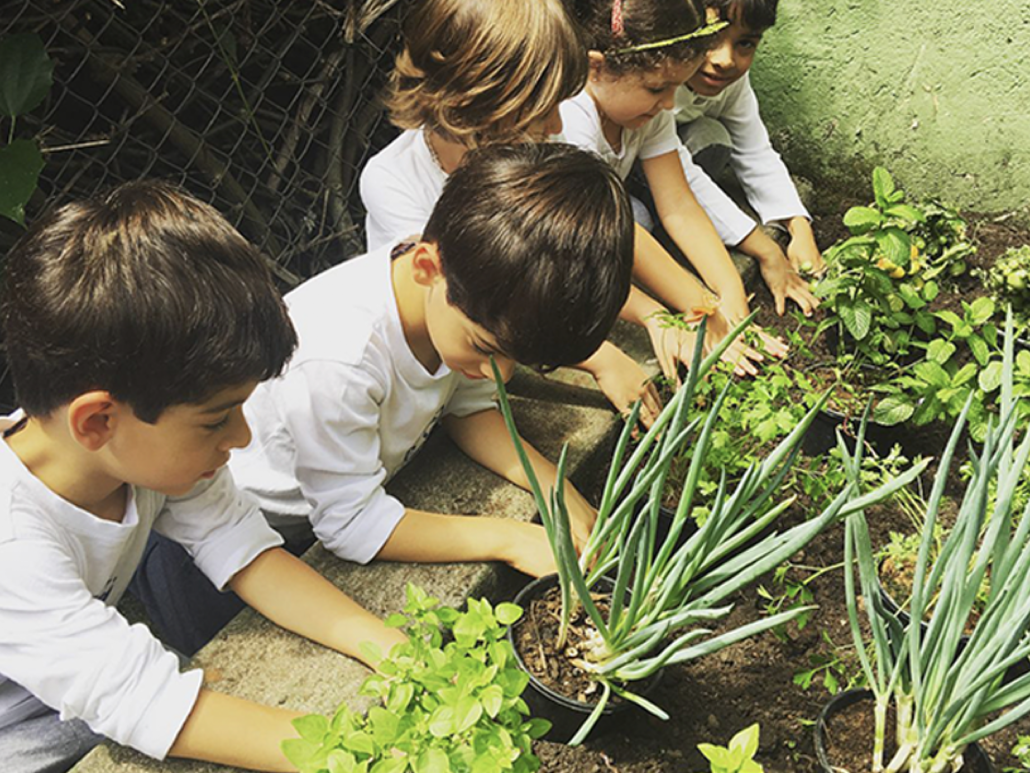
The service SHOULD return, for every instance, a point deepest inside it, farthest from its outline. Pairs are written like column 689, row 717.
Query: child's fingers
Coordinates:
column 773, row 345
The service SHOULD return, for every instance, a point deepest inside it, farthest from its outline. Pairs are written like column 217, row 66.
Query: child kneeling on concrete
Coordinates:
column 136, row 326
column 526, row 258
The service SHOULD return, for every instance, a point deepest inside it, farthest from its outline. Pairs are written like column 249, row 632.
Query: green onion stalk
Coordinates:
column 668, row 591
column 945, row 693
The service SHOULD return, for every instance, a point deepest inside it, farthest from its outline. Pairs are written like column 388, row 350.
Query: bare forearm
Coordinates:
column 234, row 732
column 293, row 595
column 691, row 229
column 760, row 247
column 640, row 307
column 662, row 275
column 438, row 538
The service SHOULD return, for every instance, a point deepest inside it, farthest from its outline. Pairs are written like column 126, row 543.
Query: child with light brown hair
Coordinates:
column 474, row 74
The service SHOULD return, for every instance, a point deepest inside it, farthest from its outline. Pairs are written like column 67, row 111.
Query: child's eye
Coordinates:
column 481, row 350
column 218, row 424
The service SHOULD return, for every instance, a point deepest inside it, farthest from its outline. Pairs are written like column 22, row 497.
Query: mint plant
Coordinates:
column 880, row 281
column 443, row 705
column 738, row 756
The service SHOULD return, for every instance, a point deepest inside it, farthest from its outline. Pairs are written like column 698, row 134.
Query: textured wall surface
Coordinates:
column 939, row 93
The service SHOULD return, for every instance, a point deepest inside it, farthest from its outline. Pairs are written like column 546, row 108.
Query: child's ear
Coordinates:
column 425, row 263
column 93, row 417
column 596, row 60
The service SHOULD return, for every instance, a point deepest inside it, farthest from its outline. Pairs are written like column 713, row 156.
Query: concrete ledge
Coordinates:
column 253, row 659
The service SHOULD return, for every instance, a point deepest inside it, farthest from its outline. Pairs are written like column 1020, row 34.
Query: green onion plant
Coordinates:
column 667, row 591
column 947, row 696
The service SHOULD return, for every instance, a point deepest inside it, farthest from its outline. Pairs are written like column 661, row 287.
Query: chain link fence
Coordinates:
column 266, row 109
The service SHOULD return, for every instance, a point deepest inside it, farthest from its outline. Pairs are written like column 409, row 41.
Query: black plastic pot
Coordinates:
column 821, row 436
column 567, row 714
column 975, row 759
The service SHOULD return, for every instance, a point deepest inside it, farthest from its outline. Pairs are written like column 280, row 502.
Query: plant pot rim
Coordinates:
column 848, row 697
column 534, row 589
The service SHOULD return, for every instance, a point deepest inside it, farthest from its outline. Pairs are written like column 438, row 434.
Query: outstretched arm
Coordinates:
column 437, row 538
column 293, row 595
column 484, row 437
column 232, row 731
column 692, row 230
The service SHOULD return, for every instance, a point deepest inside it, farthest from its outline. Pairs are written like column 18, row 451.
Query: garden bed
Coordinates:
column 780, row 682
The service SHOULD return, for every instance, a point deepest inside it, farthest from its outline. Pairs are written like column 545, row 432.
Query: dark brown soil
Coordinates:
column 710, row 699
column 849, row 739
column 535, row 637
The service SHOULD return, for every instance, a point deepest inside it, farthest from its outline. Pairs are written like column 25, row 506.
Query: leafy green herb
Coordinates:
column 738, row 756
column 443, row 705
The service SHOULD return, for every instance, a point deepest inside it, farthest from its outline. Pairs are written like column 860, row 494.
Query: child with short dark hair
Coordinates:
column 525, row 258
column 136, row 325
column 640, row 53
column 720, row 125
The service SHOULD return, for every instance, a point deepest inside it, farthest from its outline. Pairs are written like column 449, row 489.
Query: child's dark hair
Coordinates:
column 757, row 15
column 536, row 244
column 143, row 292
column 479, row 73
column 612, row 26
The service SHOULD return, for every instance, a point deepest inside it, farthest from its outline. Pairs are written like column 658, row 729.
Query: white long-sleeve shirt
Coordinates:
column 352, row 407
column 756, row 163
column 63, row 644
column 399, row 187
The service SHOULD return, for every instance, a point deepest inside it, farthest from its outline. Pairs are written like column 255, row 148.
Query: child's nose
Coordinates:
column 668, row 100
column 721, row 55
column 504, row 364
column 239, row 434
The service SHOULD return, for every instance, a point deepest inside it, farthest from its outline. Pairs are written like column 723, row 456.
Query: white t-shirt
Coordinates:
column 399, row 187
column 62, row 642
column 352, row 407
column 582, row 128
column 756, row 163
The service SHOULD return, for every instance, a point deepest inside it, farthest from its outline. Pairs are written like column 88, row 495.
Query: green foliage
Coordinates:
column 947, row 695
column 1009, row 280
column 443, row 706
column 829, row 665
column 756, row 413
column 668, row 592
column 26, row 75
column 881, row 279
column 963, row 359
column 1021, row 751
column 738, row 756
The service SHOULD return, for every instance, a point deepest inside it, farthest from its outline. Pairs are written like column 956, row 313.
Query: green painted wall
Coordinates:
column 938, row 92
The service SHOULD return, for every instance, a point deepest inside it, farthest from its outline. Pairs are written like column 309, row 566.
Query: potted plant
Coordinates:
column 662, row 596
column 945, row 697
column 444, row 702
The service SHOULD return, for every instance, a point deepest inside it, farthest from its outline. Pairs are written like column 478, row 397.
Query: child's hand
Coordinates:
column 743, row 357
column 784, row 282
column 581, row 517
column 672, row 345
column 528, row 550
column 802, row 252
column 624, row 382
